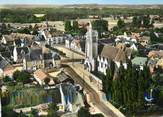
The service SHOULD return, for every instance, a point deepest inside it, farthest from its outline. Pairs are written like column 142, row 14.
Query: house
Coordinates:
column 68, row 41
column 140, row 62
column 135, row 35
column 130, row 45
column 152, row 64
column 159, row 63
column 40, row 58
column 110, row 53
column 45, row 34
column 67, row 95
column 19, row 53
column 144, row 40
column 17, row 39
column 40, row 76
column 56, row 40
column 127, row 41
column 75, row 45
column 50, row 38
column 7, row 39
column 155, row 54
column 3, row 64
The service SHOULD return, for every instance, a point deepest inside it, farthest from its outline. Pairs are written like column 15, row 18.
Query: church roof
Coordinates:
column 121, row 56
column 109, row 52
column 117, row 54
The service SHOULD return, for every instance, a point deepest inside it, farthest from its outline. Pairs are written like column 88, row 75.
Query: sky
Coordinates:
column 60, row 2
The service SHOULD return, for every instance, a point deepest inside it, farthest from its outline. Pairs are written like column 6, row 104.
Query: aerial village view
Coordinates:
column 82, row 58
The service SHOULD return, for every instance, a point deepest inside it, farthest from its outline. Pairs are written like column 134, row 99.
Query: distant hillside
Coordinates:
column 83, row 6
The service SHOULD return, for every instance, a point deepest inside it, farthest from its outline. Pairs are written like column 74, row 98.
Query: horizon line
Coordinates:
column 81, row 4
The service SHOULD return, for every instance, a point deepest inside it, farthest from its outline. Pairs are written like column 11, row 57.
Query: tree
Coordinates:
column 8, row 25
column 83, row 112
column 21, row 76
column 4, row 29
column 68, row 26
column 127, row 86
column 6, row 79
column 146, row 21
column 118, row 86
column 5, row 97
column 8, row 112
column 121, row 23
column 97, row 115
column 33, row 113
column 35, row 29
column 75, row 26
column 47, row 80
column 16, row 74
column 25, row 76
column 141, row 90
column 52, row 111
column 100, row 25
column 82, row 31
column 24, row 30
column 136, row 21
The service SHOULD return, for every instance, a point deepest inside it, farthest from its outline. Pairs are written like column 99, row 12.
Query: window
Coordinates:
column 101, row 65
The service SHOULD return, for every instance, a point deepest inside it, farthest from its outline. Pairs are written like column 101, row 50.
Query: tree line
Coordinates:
column 55, row 14
column 125, row 88
column 72, row 27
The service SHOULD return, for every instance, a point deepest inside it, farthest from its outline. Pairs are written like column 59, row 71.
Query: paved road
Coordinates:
column 95, row 98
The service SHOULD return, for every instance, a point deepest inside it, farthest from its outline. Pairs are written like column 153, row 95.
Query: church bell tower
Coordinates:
column 91, row 48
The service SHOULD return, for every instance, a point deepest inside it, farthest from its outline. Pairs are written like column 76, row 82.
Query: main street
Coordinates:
column 94, row 96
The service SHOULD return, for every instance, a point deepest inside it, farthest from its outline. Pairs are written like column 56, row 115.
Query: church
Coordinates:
column 98, row 57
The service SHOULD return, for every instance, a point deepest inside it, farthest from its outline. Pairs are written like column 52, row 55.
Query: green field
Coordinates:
column 23, row 15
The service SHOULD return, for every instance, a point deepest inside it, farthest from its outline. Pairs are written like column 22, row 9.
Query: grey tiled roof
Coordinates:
column 3, row 63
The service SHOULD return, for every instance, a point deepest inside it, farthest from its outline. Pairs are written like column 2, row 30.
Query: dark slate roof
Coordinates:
column 107, row 41
column 18, row 42
column 3, row 48
column 22, row 50
column 11, row 48
column 25, row 41
column 47, row 56
column 54, row 56
column 39, row 38
column 3, row 63
column 6, row 54
column 36, row 54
